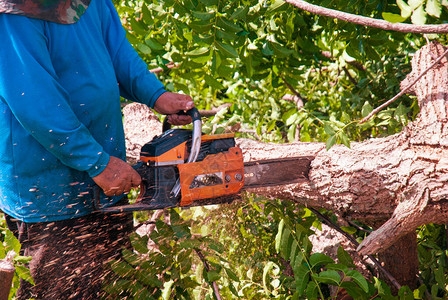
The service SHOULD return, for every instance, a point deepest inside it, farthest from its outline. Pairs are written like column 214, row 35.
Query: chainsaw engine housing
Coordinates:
column 217, row 171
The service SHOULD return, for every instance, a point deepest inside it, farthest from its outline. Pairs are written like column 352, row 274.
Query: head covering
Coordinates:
column 58, row 11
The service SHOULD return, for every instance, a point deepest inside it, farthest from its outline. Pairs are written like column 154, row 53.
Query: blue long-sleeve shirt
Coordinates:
column 60, row 114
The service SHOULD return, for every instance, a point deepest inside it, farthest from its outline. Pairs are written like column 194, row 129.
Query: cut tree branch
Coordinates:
column 366, row 21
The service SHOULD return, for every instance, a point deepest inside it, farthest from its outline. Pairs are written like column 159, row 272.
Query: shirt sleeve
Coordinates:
column 38, row 102
column 135, row 81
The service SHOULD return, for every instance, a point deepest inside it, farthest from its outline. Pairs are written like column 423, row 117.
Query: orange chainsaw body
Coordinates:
column 218, row 171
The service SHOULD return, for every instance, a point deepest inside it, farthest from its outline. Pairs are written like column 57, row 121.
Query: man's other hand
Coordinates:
column 117, row 178
column 171, row 103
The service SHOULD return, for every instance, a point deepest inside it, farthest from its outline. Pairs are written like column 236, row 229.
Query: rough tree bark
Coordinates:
column 396, row 183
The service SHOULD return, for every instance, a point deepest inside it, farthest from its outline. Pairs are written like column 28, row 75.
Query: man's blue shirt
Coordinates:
column 60, row 114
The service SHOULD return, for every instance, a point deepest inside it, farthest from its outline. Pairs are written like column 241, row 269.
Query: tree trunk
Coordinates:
column 400, row 181
column 6, row 275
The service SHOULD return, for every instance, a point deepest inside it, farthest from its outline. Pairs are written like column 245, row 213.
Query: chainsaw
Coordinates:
column 185, row 168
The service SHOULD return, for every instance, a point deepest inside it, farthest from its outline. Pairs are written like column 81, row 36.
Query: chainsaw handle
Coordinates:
column 193, row 113
column 195, row 140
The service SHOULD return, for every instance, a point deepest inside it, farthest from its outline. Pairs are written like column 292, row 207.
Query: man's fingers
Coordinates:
column 184, row 102
column 115, row 191
column 170, row 103
column 136, row 180
column 179, row 119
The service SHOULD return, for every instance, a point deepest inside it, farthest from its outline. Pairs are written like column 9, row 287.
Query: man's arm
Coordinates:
column 38, row 102
column 135, row 81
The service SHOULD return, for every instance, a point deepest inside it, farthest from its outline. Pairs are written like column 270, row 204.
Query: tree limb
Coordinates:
column 366, row 21
column 403, row 91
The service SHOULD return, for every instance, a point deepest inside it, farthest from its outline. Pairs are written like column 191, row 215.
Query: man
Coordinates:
column 63, row 67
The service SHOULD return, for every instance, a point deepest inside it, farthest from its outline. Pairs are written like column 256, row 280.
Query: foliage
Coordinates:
column 268, row 255
column 432, row 253
column 418, row 11
column 169, row 267
column 251, row 53
column 8, row 242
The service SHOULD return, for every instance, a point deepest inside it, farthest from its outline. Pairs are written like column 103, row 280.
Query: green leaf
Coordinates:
column 267, row 268
column 118, row 286
column 359, row 279
column 419, row 16
column 140, row 243
column 344, row 139
column 393, row 18
column 137, row 27
column 276, row 6
column 337, row 267
column 2, row 251
column 205, row 16
column 228, row 26
column 405, row 293
column 354, row 291
column 240, row 13
column 292, row 133
column 271, row 126
column 293, row 252
column 413, row 4
column 286, row 242
column 280, row 50
column 213, row 276
column 23, row 259
column 312, row 290
column 266, row 50
column 328, row 129
column 366, row 109
column 406, row 10
column 148, row 279
column 201, row 28
column 166, row 292
column 130, row 257
column 24, row 273
column 225, row 35
column 318, row 259
column 302, row 276
column 345, row 258
column 278, row 237
column 329, row 277
column 210, row 2
column 434, row 8
column 143, row 48
column 292, row 119
column 232, row 275
column 212, row 82
column 122, row 268
column 331, row 141
column 11, row 242
column 190, row 243
column 226, row 49
column 153, row 44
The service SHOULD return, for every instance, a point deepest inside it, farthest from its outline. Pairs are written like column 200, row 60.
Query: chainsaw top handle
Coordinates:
column 196, row 134
column 193, row 113
column 195, row 140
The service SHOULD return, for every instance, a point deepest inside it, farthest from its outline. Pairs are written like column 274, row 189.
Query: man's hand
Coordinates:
column 170, row 104
column 117, row 178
